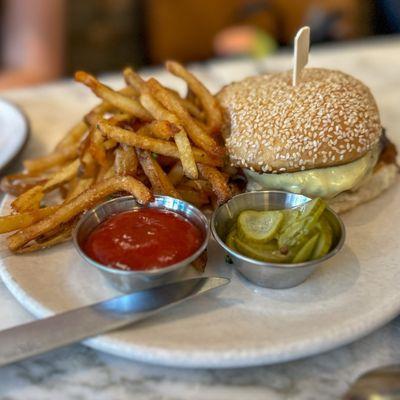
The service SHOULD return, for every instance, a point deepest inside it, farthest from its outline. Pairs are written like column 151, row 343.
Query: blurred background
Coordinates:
column 44, row 40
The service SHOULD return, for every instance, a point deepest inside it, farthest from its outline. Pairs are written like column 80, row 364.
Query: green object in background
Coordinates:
column 263, row 45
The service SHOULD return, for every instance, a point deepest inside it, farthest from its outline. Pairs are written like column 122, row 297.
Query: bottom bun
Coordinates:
column 377, row 183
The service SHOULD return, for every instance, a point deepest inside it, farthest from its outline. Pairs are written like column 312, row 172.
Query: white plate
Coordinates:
column 240, row 325
column 14, row 130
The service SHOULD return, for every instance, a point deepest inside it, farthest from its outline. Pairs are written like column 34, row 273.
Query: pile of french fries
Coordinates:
column 142, row 140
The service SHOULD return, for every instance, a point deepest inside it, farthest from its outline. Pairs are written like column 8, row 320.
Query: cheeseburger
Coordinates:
column 321, row 138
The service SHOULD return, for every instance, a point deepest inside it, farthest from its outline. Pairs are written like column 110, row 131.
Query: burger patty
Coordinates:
column 388, row 153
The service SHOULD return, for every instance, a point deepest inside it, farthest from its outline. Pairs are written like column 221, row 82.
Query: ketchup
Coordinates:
column 143, row 239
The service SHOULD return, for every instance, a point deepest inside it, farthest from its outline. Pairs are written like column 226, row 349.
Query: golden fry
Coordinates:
column 60, row 237
column 158, row 129
column 84, row 201
column 134, row 80
column 12, row 222
column 30, row 200
column 126, row 104
column 157, row 177
column 64, row 175
column 175, row 175
column 57, row 158
column 126, row 161
column 96, row 147
column 198, row 199
column 74, row 135
column 218, row 182
column 77, row 186
column 186, row 154
column 154, row 145
column 196, row 134
column 207, row 100
column 16, row 184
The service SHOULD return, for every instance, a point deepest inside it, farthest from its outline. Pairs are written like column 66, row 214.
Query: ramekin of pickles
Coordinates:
column 276, row 239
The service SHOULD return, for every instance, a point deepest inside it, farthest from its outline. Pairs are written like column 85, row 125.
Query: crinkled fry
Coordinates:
column 207, row 100
column 152, row 144
column 84, row 201
column 157, row 177
column 196, row 134
column 124, row 103
column 218, row 182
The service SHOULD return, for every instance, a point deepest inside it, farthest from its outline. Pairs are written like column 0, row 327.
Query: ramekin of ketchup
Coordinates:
column 143, row 239
column 136, row 247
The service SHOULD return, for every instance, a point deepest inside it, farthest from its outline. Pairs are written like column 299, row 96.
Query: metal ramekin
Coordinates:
column 127, row 281
column 269, row 275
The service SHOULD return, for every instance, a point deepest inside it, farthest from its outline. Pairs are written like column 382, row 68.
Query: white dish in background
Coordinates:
column 240, row 325
column 14, row 131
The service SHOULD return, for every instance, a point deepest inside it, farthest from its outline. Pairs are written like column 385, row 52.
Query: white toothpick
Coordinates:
column 301, row 49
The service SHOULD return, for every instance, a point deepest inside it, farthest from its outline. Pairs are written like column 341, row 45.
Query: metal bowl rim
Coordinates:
column 305, row 264
column 146, row 273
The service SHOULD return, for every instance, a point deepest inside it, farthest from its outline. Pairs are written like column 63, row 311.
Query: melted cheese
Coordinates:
column 319, row 182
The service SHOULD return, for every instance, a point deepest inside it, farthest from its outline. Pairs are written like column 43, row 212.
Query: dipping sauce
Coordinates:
column 143, row 239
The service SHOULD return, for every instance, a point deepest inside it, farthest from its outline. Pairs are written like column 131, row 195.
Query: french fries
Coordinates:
column 186, row 155
column 13, row 222
column 207, row 100
column 196, row 133
column 84, row 201
column 142, row 139
column 218, row 182
column 118, row 100
column 126, row 161
column 54, row 159
column 157, row 177
column 154, row 145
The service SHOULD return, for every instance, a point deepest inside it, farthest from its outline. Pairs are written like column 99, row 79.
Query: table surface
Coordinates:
column 77, row 372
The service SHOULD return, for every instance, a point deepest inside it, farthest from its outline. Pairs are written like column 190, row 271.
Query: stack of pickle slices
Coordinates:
column 293, row 235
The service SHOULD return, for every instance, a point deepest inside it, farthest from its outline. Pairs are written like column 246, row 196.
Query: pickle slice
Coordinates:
column 259, row 226
column 230, row 239
column 334, row 224
column 313, row 208
column 295, row 233
column 304, row 254
column 267, row 252
column 324, row 242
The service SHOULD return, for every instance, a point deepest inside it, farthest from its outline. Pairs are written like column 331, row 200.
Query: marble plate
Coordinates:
column 14, row 131
column 239, row 325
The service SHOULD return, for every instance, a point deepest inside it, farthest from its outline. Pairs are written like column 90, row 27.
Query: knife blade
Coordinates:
column 34, row 338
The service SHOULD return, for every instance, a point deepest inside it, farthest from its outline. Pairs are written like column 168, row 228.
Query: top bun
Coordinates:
column 328, row 119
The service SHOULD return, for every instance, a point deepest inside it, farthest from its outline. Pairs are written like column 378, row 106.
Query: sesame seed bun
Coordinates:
column 328, row 119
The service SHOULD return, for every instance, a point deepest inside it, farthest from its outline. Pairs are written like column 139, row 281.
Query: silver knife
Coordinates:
column 47, row 334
